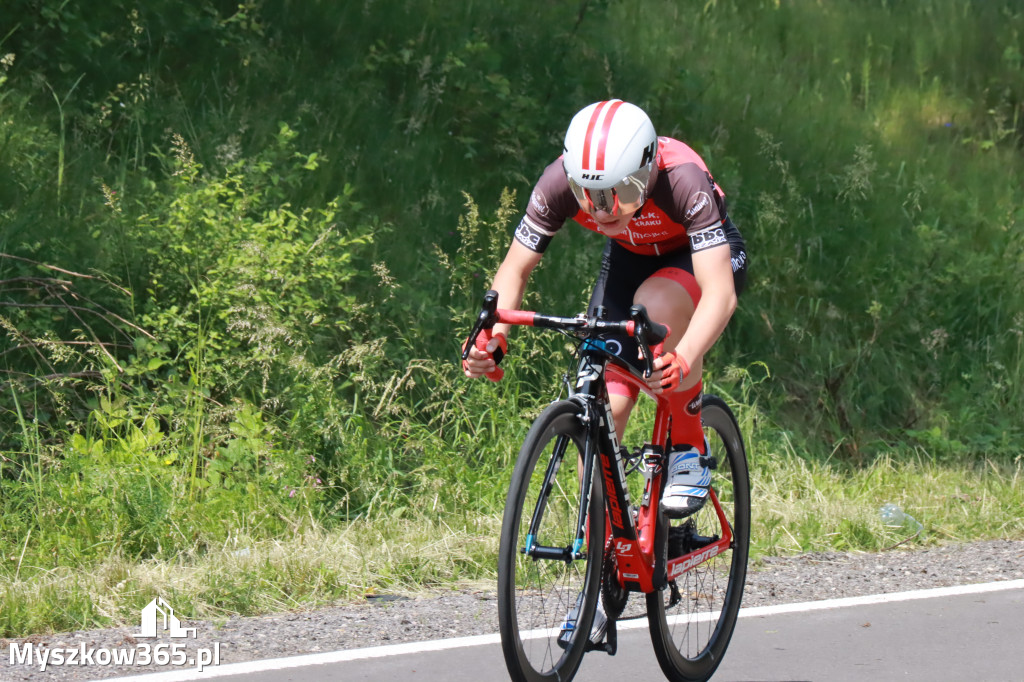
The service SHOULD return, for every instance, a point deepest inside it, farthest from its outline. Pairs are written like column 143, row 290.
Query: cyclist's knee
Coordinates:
column 669, row 302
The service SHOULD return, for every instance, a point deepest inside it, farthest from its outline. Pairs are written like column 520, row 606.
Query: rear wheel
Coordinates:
column 537, row 591
column 693, row 618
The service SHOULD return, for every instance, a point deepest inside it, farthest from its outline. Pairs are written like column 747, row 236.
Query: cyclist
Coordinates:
column 671, row 247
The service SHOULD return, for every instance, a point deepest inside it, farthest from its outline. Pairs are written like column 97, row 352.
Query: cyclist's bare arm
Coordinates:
column 712, row 268
column 510, row 280
column 510, row 283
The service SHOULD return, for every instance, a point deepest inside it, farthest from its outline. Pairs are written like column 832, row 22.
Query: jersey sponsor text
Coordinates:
column 705, row 239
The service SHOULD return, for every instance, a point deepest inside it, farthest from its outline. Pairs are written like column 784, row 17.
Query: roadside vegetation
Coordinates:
column 241, row 243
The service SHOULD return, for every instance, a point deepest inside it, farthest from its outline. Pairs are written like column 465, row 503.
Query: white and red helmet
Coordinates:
column 609, row 157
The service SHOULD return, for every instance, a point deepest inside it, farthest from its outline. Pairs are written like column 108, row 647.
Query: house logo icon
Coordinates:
column 158, row 611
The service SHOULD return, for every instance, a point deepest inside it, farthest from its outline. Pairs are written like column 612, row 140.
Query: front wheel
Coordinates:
column 543, row 580
column 693, row 618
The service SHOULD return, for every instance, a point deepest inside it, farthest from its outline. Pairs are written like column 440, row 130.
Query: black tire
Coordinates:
column 536, row 595
column 691, row 636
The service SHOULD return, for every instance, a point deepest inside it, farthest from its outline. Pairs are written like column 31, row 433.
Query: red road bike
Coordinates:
column 572, row 535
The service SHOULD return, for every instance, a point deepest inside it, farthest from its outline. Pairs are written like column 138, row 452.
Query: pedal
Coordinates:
column 654, row 458
column 674, row 596
column 610, row 645
column 611, row 638
column 654, row 461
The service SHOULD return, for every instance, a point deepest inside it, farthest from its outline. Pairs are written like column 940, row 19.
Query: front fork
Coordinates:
column 575, row 551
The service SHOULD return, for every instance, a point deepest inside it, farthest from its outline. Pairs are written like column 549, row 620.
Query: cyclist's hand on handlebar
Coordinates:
column 669, row 369
column 485, row 355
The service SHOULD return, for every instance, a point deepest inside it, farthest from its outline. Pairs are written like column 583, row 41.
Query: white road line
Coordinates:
column 955, row 591
column 480, row 640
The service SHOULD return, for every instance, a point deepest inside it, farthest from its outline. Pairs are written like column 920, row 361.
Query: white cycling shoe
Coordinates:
column 688, row 482
column 597, row 630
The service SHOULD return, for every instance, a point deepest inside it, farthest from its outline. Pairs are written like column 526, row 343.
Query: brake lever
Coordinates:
column 638, row 314
column 485, row 319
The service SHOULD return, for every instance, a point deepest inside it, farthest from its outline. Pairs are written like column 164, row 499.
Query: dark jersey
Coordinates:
column 685, row 207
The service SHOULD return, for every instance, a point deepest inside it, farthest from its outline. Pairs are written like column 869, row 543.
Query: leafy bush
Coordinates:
column 247, row 304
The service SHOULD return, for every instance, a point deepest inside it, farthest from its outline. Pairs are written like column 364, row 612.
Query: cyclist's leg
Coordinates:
column 671, row 295
column 622, row 405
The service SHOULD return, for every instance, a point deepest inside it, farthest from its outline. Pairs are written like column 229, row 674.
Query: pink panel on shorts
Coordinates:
column 617, row 386
column 684, row 279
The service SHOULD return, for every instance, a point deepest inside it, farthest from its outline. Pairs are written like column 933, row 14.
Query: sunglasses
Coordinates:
column 623, row 198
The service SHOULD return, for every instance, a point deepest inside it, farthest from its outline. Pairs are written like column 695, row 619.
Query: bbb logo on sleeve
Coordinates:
column 527, row 237
column 705, row 239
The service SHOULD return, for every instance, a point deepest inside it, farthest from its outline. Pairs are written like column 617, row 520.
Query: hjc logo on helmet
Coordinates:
column 648, row 154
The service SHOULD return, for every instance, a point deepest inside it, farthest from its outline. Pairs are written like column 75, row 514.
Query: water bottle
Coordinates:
column 893, row 515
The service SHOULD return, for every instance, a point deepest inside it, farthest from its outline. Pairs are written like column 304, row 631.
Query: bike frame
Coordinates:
column 635, row 543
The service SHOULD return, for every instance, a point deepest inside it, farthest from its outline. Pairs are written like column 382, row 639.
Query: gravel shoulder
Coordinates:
column 392, row 619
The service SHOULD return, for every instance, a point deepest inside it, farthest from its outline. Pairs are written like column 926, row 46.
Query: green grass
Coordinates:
column 813, row 506
column 799, row 506
column 247, row 576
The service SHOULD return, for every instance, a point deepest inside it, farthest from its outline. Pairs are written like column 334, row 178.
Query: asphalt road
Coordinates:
column 965, row 633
